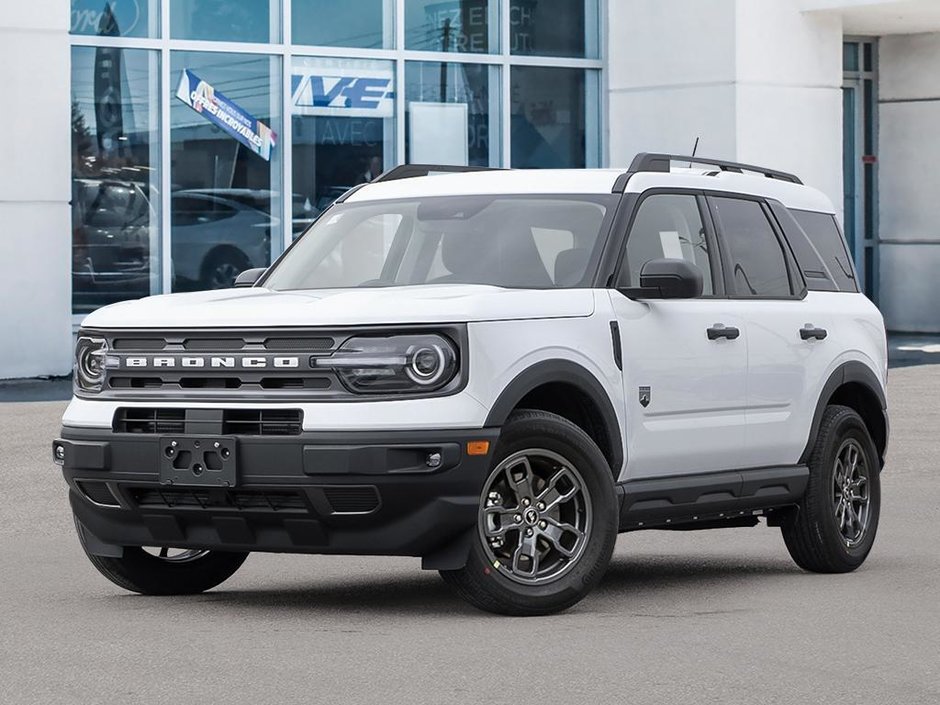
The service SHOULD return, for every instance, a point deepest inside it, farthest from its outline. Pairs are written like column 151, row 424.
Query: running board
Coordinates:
column 710, row 498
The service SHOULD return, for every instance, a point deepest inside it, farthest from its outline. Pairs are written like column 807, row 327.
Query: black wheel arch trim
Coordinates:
column 566, row 372
column 847, row 373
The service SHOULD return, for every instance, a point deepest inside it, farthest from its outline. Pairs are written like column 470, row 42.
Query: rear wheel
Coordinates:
column 167, row 571
column 835, row 526
column 547, row 522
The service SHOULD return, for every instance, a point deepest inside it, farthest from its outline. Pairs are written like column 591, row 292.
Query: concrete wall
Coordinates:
column 756, row 81
column 909, row 182
column 35, row 222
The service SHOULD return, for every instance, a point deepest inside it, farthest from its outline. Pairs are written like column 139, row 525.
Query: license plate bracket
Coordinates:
column 198, row 461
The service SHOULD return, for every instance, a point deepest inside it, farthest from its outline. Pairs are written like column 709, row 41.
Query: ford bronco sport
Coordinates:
column 495, row 371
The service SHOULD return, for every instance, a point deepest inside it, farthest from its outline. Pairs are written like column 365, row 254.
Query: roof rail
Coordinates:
column 409, row 171
column 662, row 163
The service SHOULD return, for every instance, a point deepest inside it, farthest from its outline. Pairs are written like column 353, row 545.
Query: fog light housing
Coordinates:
column 58, row 453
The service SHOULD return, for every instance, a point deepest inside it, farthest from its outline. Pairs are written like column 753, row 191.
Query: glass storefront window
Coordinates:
column 343, row 122
column 225, row 166
column 115, row 180
column 554, row 28
column 222, row 204
column 467, row 26
column 355, row 23
column 225, row 20
column 452, row 113
column 115, row 18
column 554, row 121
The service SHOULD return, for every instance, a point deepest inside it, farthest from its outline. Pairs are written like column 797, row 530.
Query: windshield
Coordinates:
column 520, row 242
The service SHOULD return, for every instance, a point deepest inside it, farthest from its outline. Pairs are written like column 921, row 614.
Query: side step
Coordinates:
column 715, row 499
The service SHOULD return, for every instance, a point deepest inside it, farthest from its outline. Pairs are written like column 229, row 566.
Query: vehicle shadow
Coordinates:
column 645, row 575
column 628, row 579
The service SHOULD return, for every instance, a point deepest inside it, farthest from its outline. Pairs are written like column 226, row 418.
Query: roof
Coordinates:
column 590, row 181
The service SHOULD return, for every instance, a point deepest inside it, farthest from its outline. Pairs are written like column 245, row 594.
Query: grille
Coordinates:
column 242, row 500
column 232, row 422
column 165, row 421
column 262, row 422
column 352, row 500
column 210, row 364
column 231, row 343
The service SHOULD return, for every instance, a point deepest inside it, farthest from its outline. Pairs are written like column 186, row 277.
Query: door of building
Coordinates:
column 860, row 159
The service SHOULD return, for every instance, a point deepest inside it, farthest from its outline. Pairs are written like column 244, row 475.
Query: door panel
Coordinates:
column 785, row 372
column 695, row 418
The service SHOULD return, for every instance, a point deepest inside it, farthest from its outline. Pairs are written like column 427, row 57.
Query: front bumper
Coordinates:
column 351, row 492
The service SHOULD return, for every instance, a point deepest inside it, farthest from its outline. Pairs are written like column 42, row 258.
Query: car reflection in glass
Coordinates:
column 216, row 233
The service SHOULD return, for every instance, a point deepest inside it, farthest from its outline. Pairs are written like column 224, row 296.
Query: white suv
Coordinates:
column 496, row 371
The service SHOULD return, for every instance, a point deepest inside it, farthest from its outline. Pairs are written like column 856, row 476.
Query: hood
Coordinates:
column 258, row 307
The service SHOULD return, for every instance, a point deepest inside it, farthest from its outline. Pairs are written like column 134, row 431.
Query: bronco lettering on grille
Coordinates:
column 254, row 362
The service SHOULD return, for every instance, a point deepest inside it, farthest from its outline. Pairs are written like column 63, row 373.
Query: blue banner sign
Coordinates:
column 343, row 89
column 221, row 111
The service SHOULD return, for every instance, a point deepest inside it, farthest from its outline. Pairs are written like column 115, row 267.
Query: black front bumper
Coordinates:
column 365, row 493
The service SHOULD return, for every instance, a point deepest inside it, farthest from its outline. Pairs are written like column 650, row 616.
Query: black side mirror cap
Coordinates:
column 249, row 277
column 668, row 279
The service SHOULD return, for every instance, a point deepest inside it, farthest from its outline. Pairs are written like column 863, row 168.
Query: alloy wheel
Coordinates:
column 535, row 516
column 851, row 498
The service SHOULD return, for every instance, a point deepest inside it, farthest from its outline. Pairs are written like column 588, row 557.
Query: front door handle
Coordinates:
column 721, row 331
column 810, row 332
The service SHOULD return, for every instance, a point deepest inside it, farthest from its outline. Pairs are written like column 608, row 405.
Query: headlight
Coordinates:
column 399, row 363
column 90, row 359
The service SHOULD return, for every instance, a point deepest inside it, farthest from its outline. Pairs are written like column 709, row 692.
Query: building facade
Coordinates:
column 164, row 145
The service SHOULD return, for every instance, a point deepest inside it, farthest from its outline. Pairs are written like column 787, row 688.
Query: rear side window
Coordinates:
column 824, row 234
column 758, row 265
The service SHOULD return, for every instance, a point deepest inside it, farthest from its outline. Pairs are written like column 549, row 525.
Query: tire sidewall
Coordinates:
column 848, row 426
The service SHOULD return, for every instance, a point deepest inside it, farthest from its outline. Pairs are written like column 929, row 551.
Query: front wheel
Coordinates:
column 547, row 522
column 166, row 571
column 835, row 525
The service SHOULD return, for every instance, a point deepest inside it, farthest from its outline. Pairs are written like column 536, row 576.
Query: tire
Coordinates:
column 190, row 573
column 221, row 267
column 818, row 538
column 559, row 460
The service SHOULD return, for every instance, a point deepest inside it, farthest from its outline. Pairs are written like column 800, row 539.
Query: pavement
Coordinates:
column 700, row 617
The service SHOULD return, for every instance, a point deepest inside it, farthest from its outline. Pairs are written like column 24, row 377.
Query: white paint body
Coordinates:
column 717, row 405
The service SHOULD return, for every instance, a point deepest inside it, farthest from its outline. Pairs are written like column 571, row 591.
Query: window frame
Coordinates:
column 798, row 287
column 622, row 229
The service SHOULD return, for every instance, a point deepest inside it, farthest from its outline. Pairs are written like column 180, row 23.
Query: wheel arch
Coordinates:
column 565, row 388
column 855, row 385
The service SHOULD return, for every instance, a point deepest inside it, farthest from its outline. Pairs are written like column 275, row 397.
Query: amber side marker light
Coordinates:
column 478, row 447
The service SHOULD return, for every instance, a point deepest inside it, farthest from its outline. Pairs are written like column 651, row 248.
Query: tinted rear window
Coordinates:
column 824, row 234
column 758, row 263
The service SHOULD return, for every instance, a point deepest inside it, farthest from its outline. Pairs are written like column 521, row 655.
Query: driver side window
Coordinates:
column 667, row 226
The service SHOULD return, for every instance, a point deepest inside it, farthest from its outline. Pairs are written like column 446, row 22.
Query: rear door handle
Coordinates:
column 721, row 331
column 810, row 332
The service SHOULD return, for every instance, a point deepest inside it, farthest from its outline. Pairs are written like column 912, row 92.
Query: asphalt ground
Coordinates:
column 699, row 617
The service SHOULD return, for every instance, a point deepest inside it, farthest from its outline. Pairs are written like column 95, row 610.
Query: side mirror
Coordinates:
column 249, row 277
column 668, row 279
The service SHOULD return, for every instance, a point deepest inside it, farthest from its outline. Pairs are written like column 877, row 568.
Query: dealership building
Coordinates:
column 155, row 146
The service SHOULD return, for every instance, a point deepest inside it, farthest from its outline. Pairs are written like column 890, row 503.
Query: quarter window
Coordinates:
column 823, row 232
column 667, row 226
column 758, row 265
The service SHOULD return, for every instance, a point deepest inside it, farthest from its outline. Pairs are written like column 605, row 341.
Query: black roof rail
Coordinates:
column 410, row 171
column 662, row 163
